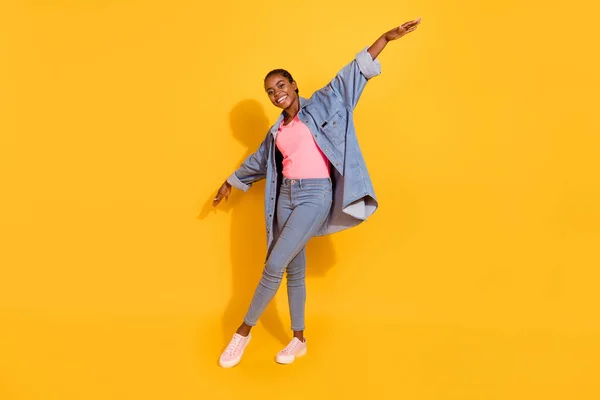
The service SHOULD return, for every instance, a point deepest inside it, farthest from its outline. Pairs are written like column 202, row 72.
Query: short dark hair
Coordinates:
column 284, row 73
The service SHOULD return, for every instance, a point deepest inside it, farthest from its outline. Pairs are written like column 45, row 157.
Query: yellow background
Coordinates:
column 477, row 278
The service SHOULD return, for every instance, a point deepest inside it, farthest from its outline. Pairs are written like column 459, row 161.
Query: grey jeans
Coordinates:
column 302, row 207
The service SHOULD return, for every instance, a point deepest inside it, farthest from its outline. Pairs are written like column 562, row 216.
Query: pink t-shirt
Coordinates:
column 302, row 158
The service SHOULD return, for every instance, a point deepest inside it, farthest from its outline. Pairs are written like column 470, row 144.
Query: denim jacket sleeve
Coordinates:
column 350, row 82
column 253, row 169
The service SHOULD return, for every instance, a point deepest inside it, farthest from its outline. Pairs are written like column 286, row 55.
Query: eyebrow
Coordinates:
column 267, row 89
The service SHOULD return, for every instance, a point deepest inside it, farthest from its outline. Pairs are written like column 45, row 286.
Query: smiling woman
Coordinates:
column 316, row 183
column 278, row 77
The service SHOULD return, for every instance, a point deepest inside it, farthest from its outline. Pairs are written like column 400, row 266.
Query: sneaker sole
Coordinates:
column 235, row 361
column 285, row 360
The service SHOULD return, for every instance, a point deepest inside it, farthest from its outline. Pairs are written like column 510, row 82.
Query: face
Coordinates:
column 281, row 91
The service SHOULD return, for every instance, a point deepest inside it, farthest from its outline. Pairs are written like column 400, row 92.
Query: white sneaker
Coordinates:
column 234, row 351
column 296, row 348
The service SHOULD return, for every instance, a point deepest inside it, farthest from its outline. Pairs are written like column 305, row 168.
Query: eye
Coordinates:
column 280, row 86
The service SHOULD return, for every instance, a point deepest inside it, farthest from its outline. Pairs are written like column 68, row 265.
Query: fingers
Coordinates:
column 222, row 193
column 218, row 198
column 409, row 24
column 409, row 27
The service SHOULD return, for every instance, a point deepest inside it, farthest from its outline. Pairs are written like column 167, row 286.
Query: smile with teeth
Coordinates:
column 281, row 99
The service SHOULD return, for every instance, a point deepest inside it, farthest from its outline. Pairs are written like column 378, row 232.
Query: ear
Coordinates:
column 294, row 85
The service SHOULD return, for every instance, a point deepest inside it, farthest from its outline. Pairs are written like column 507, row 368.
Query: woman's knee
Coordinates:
column 273, row 271
column 296, row 276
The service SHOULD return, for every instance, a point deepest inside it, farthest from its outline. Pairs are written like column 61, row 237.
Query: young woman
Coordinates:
column 317, row 183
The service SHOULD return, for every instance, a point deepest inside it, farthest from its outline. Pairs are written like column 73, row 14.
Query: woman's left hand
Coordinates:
column 402, row 30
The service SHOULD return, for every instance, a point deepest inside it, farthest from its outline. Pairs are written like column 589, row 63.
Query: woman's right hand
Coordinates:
column 224, row 192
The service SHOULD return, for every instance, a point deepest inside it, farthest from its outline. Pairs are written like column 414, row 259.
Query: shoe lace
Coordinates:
column 291, row 347
column 235, row 342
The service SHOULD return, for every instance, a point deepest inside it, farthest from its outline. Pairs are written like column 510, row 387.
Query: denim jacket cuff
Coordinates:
column 367, row 65
column 236, row 183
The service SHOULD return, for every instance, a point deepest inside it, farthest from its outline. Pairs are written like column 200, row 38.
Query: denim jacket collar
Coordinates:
column 303, row 103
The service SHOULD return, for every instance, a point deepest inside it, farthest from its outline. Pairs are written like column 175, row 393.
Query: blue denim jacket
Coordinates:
column 328, row 113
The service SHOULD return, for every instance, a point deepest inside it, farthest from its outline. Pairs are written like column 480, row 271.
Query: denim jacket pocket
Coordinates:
column 334, row 128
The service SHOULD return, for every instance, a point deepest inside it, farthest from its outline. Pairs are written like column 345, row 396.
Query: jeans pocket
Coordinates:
column 323, row 192
column 316, row 192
